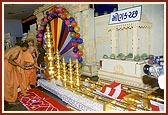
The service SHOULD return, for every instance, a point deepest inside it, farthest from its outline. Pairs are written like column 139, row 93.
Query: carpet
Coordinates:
column 39, row 101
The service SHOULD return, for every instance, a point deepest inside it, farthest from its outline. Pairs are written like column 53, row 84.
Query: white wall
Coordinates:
column 155, row 14
column 14, row 27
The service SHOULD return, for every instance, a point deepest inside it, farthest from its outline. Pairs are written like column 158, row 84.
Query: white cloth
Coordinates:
column 161, row 82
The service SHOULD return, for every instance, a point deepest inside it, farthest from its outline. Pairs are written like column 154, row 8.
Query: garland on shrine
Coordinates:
column 73, row 28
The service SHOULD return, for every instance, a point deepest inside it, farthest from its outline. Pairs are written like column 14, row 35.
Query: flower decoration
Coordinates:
column 73, row 29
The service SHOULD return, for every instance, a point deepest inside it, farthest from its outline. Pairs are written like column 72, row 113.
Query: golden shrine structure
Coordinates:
column 65, row 80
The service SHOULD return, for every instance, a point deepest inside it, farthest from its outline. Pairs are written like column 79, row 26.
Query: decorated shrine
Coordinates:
column 70, row 55
column 107, row 63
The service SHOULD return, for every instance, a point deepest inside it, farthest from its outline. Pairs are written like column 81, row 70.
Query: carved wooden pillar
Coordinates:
column 148, row 40
column 126, row 41
column 78, row 18
column 114, row 39
column 135, row 44
column 89, row 50
column 40, row 12
column 39, row 17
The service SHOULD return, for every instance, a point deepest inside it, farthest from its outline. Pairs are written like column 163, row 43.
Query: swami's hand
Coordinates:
column 41, row 69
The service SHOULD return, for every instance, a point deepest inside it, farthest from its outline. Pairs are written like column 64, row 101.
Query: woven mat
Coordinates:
column 39, row 101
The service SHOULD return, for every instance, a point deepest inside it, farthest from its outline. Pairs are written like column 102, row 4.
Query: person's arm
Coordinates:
column 155, row 75
column 41, row 49
column 36, row 66
column 37, row 54
column 13, row 57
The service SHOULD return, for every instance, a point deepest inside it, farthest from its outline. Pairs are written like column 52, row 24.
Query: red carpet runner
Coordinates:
column 39, row 101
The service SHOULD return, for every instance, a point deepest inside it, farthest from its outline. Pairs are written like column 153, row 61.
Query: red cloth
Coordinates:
column 39, row 101
column 156, row 106
column 114, row 90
